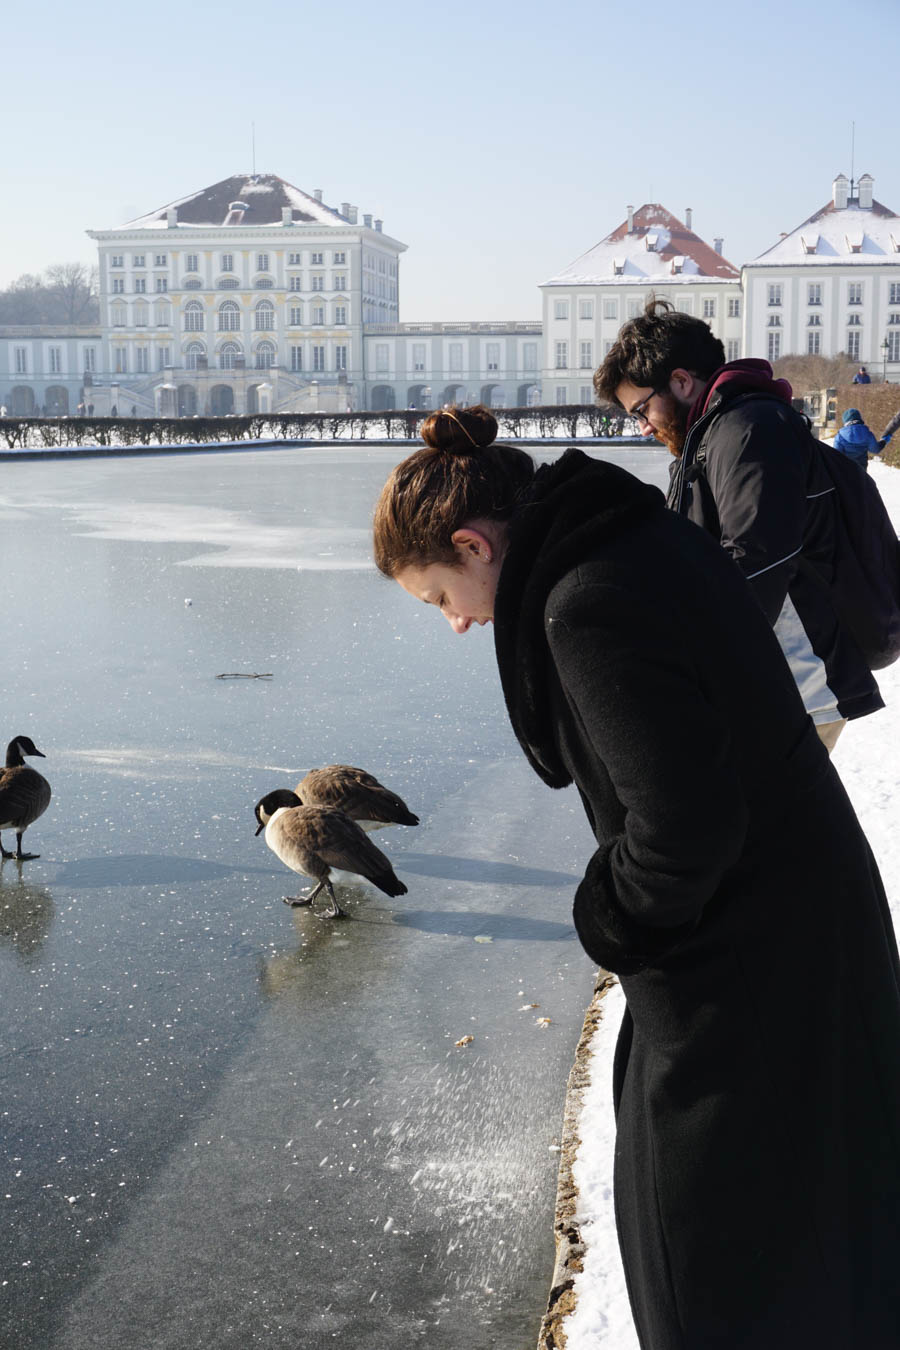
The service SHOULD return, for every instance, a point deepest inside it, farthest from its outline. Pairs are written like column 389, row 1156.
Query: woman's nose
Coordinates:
column 458, row 623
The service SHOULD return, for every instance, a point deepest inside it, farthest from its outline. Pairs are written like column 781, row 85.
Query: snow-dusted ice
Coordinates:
column 225, row 1123
column 866, row 758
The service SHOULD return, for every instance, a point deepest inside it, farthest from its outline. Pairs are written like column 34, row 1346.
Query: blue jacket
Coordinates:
column 857, row 442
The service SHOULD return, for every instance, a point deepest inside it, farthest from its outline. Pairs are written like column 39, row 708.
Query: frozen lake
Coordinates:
column 227, row 1123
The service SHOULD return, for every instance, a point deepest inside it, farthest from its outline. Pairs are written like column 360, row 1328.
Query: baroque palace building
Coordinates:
column 253, row 296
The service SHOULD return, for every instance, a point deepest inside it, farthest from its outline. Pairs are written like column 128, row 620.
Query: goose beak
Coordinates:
column 259, row 829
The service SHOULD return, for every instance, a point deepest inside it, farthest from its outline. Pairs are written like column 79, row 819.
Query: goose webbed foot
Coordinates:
column 335, row 912
column 5, row 852
column 295, row 901
column 25, row 857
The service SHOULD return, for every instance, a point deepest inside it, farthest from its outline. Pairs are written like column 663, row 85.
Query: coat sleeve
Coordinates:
column 757, row 472
column 641, row 711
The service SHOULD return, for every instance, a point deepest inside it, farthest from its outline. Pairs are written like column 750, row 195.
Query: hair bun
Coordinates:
column 460, row 431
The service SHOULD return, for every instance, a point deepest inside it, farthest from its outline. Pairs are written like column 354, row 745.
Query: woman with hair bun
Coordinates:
column 757, row 1077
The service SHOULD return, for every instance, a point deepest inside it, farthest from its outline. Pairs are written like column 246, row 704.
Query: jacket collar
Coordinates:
column 750, row 376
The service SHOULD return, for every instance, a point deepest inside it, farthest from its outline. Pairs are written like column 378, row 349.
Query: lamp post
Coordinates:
column 885, row 347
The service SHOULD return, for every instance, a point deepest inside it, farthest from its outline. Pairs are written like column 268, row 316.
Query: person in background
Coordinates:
column 757, row 1072
column 889, row 430
column 855, row 440
column 743, row 470
column 862, row 376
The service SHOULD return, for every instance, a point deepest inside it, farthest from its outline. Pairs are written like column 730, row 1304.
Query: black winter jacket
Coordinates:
column 749, row 477
column 757, row 1080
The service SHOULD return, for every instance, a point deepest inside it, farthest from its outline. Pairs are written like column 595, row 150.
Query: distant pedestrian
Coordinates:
column 2, row 409
column 862, row 376
column 889, row 430
column 855, row 440
column 114, row 411
column 90, row 410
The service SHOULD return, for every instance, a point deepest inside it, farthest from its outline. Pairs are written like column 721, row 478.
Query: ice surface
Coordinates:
column 212, row 1104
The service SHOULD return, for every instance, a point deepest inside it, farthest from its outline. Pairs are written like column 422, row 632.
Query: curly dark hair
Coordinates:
column 654, row 344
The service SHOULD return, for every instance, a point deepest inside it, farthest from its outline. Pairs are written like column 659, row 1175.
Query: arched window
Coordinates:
column 263, row 284
column 193, row 284
column 118, row 316
column 229, row 316
column 229, row 355
column 265, row 316
column 227, row 284
column 193, row 352
column 265, row 355
column 162, row 314
column 140, row 316
column 193, row 317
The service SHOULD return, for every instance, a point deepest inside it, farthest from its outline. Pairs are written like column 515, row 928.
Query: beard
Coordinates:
column 670, row 425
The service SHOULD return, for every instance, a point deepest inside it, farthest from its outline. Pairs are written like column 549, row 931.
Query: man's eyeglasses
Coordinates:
column 637, row 411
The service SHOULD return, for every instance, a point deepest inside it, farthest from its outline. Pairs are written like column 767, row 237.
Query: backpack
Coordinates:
column 862, row 574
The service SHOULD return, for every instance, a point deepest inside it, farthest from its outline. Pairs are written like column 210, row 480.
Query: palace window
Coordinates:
column 318, row 314
column 296, row 315
column 191, row 262
column 340, row 315
column 339, row 282
column 193, row 284
column 339, row 259
column 120, row 360
column 774, row 345
column 586, row 356
column 296, row 358
column 89, row 358
column 137, row 260
column 418, row 356
column 585, row 309
column 562, row 355
column 894, row 293
column 22, row 361
column 194, row 352
column 295, row 259
column 140, row 285
column 164, row 357
column 340, row 358
column 893, row 350
column 734, row 310
column 118, row 314
column 162, row 283
column 709, row 308
column 264, row 320
column 732, row 349
column 161, row 260
column 118, row 286
column 55, row 358
column 265, row 356
column 610, row 309
column 262, row 262
column 140, row 316
column 227, row 262
column 775, row 293
column 230, row 355
column 228, row 284
column 194, row 317
column 316, row 259
column 318, row 358
column 814, row 321
column 229, row 317
column 142, row 360
column 853, row 344
column 814, row 293
column 854, row 292
column 295, row 284
column 813, row 342
column 117, row 260
column 318, row 282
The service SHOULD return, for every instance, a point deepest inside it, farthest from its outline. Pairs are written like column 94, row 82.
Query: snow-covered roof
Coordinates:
column 851, row 234
column 262, row 196
column 658, row 248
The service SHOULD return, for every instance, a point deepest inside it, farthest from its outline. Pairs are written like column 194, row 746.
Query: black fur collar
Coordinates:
column 574, row 505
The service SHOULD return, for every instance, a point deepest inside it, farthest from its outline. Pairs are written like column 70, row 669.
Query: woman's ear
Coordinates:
column 471, row 543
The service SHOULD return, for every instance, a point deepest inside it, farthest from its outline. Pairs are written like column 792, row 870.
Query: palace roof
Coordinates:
column 650, row 245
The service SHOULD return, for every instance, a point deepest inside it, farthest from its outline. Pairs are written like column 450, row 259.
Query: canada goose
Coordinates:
column 357, row 793
column 24, row 794
column 313, row 839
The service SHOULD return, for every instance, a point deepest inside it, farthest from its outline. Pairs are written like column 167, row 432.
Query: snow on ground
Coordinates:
column 866, row 757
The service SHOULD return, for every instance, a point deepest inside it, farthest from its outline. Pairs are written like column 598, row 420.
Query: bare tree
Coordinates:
column 73, row 287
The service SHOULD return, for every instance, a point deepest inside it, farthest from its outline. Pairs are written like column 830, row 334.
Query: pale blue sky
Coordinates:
column 498, row 139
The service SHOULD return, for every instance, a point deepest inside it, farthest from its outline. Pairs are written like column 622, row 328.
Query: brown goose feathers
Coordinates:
column 357, row 793
column 24, row 794
column 312, row 840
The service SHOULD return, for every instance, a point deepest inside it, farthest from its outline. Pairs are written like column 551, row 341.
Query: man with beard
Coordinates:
column 744, row 470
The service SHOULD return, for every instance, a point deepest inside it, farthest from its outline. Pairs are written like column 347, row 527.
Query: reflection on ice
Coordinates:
column 146, row 869
column 26, row 911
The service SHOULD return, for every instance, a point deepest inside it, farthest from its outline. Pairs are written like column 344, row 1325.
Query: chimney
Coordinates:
column 367, row 221
column 630, row 212
column 865, row 188
column 351, row 215
column 378, row 225
column 171, row 218
column 688, row 217
column 717, row 245
column 345, row 210
column 317, row 193
column 287, row 215
column 840, row 191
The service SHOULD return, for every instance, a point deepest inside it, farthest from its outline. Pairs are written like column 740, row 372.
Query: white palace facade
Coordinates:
column 254, row 296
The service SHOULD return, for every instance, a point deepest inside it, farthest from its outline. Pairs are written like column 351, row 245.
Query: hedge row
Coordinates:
column 877, row 403
column 24, row 433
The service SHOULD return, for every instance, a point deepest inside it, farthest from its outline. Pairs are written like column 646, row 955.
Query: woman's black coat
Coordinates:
column 757, row 1078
